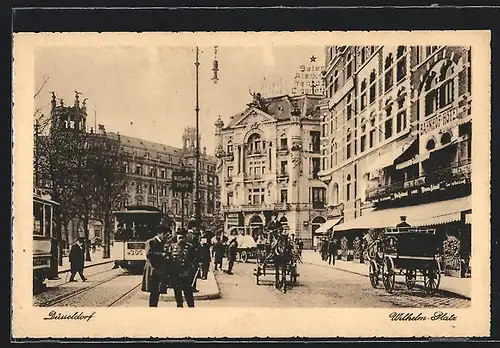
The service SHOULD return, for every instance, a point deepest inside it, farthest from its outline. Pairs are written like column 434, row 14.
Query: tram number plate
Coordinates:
column 135, row 252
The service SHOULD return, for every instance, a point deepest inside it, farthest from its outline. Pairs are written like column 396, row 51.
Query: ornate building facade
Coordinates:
column 269, row 160
column 396, row 126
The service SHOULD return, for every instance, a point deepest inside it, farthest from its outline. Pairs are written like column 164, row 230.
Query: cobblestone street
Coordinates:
column 317, row 287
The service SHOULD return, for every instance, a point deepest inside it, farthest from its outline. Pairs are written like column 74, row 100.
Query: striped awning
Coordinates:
column 434, row 213
column 328, row 225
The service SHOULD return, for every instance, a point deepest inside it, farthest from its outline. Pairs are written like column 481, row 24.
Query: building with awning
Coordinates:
column 430, row 214
column 328, row 225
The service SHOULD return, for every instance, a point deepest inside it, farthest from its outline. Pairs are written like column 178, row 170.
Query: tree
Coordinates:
column 110, row 182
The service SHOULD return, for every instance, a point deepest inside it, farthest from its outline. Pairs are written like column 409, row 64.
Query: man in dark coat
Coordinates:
column 77, row 260
column 219, row 250
column 205, row 258
column 155, row 271
column 332, row 251
column 182, row 279
column 231, row 254
column 403, row 222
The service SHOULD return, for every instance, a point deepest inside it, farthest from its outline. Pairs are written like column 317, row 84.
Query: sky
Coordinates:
column 149, row 92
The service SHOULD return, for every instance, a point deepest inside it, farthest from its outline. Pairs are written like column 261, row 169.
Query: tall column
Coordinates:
column 296, row 156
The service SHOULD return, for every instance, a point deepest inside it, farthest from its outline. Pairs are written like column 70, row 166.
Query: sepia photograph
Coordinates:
column 236, row 173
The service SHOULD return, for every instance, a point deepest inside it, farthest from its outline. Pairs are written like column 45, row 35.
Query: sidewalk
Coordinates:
column 208, row 290
column 97, row 259
column 458, row 286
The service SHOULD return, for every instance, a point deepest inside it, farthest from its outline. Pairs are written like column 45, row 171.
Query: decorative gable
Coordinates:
column 253, row 118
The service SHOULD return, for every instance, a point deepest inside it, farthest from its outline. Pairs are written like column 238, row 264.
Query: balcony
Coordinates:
column 255, row 207
column 456, row 173
column 282, row 175
column 253, row 177
column 318, row 205
column 282, row 150
column 229, row 157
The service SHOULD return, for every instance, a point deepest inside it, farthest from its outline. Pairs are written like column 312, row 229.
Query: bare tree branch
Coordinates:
column 41, row 87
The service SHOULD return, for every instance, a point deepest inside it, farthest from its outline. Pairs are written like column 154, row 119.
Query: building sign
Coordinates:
column 182, row 181
column 233, row 219
column 448, row 118
column 308, row 79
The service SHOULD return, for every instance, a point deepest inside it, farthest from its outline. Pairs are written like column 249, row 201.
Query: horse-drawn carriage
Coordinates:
column 277, row 256
column 409, row 252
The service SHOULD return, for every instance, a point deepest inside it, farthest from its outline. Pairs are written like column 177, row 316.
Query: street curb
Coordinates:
column 443, row 291
column 98, row 263
column 214, row 295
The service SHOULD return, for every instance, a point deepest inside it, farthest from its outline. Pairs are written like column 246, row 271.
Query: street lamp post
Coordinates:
column 215, row 79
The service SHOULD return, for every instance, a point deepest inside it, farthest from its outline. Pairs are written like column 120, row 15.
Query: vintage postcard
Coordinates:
column 229, row 184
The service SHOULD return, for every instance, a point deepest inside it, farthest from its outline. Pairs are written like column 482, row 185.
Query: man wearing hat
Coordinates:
column 155, row 271
column 183, row 259
column 77, row 260
column 403, row 222
column 273, row 228
column 232, row 250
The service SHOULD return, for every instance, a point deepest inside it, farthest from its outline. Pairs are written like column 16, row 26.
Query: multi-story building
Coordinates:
column 269, row 160
column 396, row 124
column 149, row 166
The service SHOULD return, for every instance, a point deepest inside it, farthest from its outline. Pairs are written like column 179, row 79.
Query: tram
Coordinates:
column 45, row 241
column 133, row 227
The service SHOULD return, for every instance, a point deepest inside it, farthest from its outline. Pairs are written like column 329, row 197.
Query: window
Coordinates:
column 139, row 201
column 284, row 167
column 349, row 66
column 324, row 159
column 139, row 188
column 254, row 144
column 348, row 146
column 229, row 147
column 256, row 196
column 363, row 55
column 363, row 94
column 125, row 167
column 401, row 69
column 373, row 85
column 316, row 165
column 348, row 188
column 318, row 197
column 336, row 82
column 284, row 142
column 284, row 196
column 348, row 107
column 229, row 172
column 389, row 79
column 151, row 171
column 163, row 174
column 229, row 198
column 164, row 190
column 151, row 189
column 446, row 93
column 138, row 169
column 401, row 121
column 315, row 141
column 388, row 128
column 363, row 143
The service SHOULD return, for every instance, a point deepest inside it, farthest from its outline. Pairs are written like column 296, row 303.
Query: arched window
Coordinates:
column 283, row 142
column 254, row 144
column 431, row 144
column 335, row 194
column 439, row 88
column 446, row 138
column 229, row 147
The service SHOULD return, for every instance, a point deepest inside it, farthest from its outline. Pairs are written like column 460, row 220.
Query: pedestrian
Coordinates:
column 403, row 222
column 324, row 249
column 204, row 258
column 77, row 260
column 232, row 250
column 332, row 251
column 193, row 238
column 154, row 277
column 301, row 246
column 182, row 277
column 219, row 250
column 212, row 245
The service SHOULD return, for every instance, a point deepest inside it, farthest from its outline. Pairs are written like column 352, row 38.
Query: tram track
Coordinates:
column 124, row 296
column 60, row 299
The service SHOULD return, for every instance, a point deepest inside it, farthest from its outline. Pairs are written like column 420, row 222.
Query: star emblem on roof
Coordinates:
column 313, row 58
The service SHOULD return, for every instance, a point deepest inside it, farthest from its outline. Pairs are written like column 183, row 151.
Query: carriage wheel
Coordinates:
column 373, row 274
column 388, row 276
column 410, row 278
column 244, row 256
column 432, row 278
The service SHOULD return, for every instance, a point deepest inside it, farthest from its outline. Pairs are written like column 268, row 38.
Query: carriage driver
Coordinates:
column 273, row 228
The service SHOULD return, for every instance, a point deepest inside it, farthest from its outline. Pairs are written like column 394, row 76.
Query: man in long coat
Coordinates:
column 154, row 279
column 219, row 250
column 183, row 257
column 77, row 260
